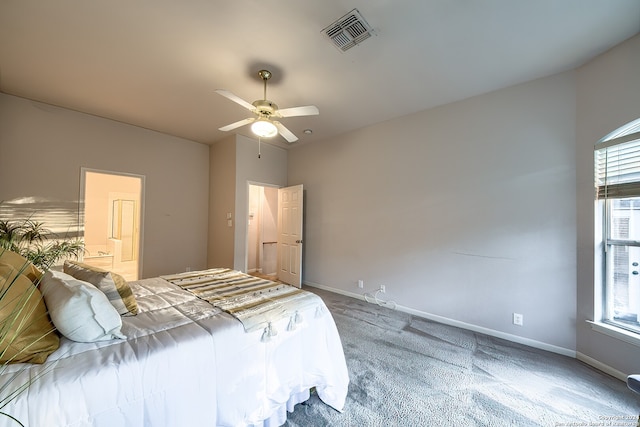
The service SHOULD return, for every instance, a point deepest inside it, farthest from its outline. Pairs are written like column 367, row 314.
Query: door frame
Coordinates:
column 81, row 206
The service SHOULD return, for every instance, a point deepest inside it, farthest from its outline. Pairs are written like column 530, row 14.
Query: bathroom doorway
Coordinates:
column 262, row 230
column 112, row 219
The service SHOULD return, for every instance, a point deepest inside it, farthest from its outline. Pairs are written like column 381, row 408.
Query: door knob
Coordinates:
column 298, row 241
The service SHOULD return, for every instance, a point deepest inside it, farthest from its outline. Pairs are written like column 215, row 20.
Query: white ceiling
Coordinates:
column 156, row 63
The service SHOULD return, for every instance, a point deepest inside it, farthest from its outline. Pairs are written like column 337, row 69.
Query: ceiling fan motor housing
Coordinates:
column 264, row 107
column 264, row 74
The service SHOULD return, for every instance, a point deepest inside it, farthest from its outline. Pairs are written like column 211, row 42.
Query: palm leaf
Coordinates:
column 11, row 325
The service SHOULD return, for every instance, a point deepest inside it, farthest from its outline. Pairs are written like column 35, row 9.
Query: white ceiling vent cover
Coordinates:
column 348, row 31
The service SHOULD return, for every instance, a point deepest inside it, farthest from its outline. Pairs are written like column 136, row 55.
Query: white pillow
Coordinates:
column 79, row 310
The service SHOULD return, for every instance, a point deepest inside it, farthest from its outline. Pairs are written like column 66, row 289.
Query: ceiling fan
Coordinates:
column 265, row 111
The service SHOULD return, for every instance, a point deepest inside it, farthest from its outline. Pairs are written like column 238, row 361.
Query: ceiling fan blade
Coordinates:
column 307, row 110
column 236, row 99
column 237, row 124
column 286, row 133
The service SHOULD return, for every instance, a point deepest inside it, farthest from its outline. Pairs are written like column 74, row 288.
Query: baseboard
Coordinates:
column 468, row 326
column 601, row 366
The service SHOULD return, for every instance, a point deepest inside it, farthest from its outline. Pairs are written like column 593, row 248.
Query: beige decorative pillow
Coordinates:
column 20, row 264
column 113, row 285
column 26, row 332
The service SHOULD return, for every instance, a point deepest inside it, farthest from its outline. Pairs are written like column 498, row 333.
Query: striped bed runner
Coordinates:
column 253, row 301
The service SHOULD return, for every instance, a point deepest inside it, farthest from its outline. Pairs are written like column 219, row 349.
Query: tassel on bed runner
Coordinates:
column 294, row 321
column 269, row 332
column 319, row 311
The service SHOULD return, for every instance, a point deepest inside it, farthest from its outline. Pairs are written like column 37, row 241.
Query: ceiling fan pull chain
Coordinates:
column 259, row 140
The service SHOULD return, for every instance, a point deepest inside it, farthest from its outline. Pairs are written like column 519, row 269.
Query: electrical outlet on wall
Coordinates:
column 361, row 283
column 518, row 319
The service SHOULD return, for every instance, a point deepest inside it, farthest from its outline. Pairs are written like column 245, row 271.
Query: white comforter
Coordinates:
column 184, row 363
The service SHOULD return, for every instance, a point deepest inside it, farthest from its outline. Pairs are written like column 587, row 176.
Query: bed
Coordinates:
column 183, row 360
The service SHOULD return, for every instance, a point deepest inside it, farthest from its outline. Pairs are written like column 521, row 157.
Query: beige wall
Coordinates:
column 222, row 200
column 608, row 97
column 466, row 212
column 43, row 149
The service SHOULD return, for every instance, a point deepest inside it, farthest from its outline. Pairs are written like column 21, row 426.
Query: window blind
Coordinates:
column 617, row 166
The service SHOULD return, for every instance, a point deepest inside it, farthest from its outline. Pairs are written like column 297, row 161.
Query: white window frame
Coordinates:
column 615, row 179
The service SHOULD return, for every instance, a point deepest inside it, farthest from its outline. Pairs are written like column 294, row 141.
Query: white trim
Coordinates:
column 601, row 366
column 606, row 143
column 615, row 332
column 451, row 322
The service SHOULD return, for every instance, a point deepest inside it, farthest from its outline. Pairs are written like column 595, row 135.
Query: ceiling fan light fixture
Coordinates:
column 264, row 128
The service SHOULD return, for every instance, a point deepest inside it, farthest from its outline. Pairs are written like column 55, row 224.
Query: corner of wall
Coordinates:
column 222, row 171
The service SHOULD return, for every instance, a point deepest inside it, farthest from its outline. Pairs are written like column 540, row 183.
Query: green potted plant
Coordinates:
column 36, row 243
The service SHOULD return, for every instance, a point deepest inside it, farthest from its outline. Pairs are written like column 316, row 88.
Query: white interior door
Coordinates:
column 290, row 210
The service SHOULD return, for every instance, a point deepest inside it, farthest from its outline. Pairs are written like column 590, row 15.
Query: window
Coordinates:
column 617, row 179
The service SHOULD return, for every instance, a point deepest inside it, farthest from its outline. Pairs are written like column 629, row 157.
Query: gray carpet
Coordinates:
column 408, row 371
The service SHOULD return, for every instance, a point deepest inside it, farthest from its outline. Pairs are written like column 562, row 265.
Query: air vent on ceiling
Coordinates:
column 348, row 31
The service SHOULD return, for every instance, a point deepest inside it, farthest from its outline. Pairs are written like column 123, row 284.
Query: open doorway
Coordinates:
column 274, row 233
column 262, row 230
column 113, row 206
